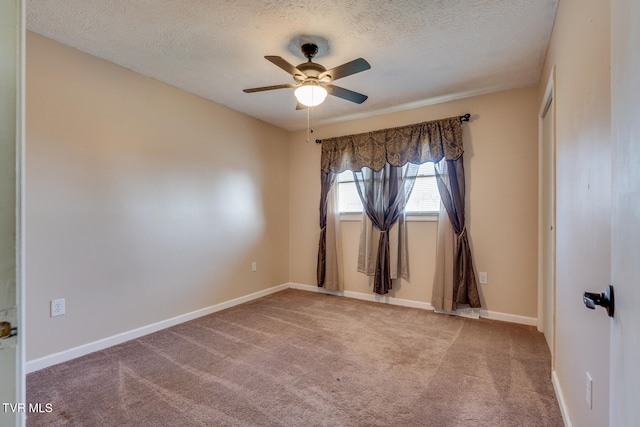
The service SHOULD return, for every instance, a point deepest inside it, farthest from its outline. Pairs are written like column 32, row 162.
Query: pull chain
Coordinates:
column 309, row 117
column 308, row 123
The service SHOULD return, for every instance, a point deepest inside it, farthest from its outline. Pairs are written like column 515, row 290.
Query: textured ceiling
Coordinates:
column 420, row 51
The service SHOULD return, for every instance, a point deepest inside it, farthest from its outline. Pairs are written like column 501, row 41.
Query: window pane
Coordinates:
column 424, row 196
column 426, row 169
column 349, row 198
column 345, row 176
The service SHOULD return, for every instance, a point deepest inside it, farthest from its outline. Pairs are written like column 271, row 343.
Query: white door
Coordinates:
column 624, row 398
column 547, row 212
column 11, row 377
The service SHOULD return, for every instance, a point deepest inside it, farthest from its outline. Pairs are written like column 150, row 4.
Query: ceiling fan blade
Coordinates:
column 282, row 63
column 345, row 70
column 347, row 94
column 263, row 88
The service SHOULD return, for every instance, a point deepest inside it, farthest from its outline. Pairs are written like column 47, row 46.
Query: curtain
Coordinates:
column 398, row 248
column 384, row 194
column 464, row 289
column 327, row 179
column 418, row 143
column 442, row 292
column 334, row 277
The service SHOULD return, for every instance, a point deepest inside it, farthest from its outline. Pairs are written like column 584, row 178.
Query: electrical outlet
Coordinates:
column 589, row 391
column 254, row 266
column 483, row 278
column 57, row 307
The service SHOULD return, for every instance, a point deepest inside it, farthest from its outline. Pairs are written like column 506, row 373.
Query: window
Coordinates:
column 424, row 199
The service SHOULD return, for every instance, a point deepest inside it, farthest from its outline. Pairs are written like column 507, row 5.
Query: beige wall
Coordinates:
column 501, row 167
column 143, row 202
column 579, row 50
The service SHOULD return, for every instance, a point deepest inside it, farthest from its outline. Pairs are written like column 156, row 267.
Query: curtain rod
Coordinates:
column 463, row 118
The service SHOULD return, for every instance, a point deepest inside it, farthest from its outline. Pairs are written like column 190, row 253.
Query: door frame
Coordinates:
column 547, row 99
column 21, row 373
column 19, row 394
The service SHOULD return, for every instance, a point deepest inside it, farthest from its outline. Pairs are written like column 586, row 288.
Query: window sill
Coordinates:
column 425, row 217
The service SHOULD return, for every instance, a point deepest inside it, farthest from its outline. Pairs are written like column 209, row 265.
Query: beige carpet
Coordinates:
column 299, row 358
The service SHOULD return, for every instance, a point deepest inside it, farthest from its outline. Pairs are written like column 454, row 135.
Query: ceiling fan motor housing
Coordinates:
column 310, row 69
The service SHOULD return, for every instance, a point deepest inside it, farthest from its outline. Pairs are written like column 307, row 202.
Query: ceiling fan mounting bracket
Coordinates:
column 309, row 50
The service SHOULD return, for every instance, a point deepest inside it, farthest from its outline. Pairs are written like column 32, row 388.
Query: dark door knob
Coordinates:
column 604, row 299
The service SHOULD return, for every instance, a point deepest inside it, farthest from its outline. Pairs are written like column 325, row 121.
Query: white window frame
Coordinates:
column 425, row 216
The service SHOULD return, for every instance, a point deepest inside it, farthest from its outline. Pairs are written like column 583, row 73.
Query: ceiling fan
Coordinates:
column 313, row 81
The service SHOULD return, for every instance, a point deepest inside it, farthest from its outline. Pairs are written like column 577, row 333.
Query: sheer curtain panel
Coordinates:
column 384, row 195
column 327, row 179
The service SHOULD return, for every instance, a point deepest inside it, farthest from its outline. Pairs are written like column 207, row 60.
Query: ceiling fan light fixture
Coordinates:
column 310, row 94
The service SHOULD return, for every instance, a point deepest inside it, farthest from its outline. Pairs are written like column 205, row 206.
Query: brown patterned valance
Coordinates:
column 417, row 143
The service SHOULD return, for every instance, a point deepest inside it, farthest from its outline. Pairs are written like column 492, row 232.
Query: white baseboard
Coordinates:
column 511, row 318
column 494, row 315
column 366, row 297
column 561, row 402
column 72, row 353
